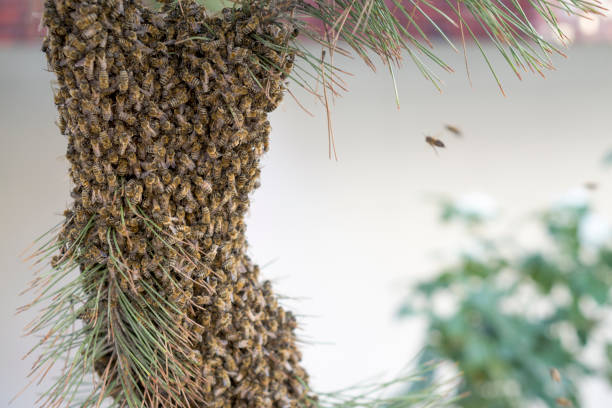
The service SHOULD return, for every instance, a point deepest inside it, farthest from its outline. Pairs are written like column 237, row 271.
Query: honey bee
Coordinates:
column 124, row 81
column 147, row 83
column 95, row 147
column 211, row 150
column 204, row 185
column 186, row 161
column 97, row 171
column 85, row 21
column 111, row 180
column 454, row 130
column 132, row 159
column 178, row 99
column 434, row 142
column 122, row 167
column 250, row 25
column 127, row 118
column 107, row 112
column 167, row 126
column 205, row 219
column 198, row 127
column 92, row 30
column 219, row 62
column 105, row 140
column 555, row 374
column 190, row 79
column 71, row 53
column 103, row 81
column 75, row 42
column 89, row 65
column 176, row 181
column 155, row 112
column 166, row 75
column 124, row 141
column 564, row 402
column 148, row 130
column 184, row 191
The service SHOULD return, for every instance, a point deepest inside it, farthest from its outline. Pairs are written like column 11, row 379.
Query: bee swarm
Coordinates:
column 165, row 113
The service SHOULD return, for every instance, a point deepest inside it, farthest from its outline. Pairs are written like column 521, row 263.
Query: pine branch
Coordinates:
column 138, row 343
column 369, row 27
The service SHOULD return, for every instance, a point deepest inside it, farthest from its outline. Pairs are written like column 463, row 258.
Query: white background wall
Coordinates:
column 346, row 238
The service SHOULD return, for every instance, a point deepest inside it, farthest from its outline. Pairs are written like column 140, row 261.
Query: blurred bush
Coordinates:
column 519, row 317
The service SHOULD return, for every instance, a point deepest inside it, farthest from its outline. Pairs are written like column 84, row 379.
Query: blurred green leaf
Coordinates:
column 506, row 353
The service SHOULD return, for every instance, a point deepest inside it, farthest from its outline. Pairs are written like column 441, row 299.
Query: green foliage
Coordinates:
column 519, row 313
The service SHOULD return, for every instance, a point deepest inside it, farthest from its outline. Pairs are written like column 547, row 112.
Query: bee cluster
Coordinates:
column 166, row 118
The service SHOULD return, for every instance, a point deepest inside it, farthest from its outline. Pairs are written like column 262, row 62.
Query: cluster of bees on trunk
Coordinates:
column 165, row 113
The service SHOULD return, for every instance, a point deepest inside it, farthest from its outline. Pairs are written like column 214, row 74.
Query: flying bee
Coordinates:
column 563, row 402
column 124, row 81
column 555, row 374
column 434, row 142
column 454, row 130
